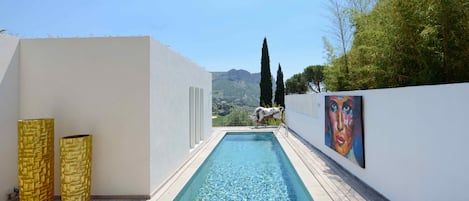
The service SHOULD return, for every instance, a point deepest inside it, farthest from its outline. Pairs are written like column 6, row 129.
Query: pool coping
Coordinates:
column 313, row 186
column 178, row 180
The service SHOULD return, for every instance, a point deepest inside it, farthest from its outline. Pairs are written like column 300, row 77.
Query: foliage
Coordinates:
column 342, row 34
column 273, row 122
column 222, row 108
column 299, row 83
column 403, row 43
column 237, row 117
column 218, row 121
column 344, row 16
column 280, row 88
column 265, row 84
column 296, row 84
column 314, row 74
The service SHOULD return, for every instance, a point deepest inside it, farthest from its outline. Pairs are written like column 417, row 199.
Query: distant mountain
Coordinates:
column 236, row 87
column 234, row 75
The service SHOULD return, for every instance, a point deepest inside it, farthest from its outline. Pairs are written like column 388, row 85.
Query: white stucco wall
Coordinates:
column 297, row 103
column 9, row 62
column 415, row 140
column 130, row 93
column 98, row 86
column 171, row 78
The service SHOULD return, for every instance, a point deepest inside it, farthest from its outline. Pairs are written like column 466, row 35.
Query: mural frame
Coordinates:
column 343, row 128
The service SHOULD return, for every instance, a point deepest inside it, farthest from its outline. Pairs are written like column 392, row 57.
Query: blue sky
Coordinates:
column 218, row 35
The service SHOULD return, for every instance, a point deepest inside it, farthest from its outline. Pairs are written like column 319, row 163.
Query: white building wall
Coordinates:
column 130, row 93
column 9, row 62
column 172, row 76
column 98, row 86
column 415, row 140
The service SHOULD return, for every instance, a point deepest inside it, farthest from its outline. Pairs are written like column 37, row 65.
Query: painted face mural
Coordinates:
column 344, row 127
column 340, row 116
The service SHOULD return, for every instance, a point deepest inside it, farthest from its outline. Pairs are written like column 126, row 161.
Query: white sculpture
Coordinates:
column 262, row 114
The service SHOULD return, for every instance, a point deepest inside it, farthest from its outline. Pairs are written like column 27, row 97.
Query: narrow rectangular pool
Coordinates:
column 246, row 166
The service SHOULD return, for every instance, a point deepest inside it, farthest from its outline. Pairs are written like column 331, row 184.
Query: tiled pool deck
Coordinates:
column 324, row 178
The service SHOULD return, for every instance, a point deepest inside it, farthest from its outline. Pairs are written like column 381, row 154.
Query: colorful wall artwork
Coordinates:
column 344, row 127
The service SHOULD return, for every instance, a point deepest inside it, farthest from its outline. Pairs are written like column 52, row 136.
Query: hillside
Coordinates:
column 235, row 87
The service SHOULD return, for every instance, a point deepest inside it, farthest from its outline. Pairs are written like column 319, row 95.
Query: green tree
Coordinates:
column 344, row 16
column 371, row 54
column 223, row 108
column 266, row 77
column 334, row 76
column 280, row 88
column 403, row 43
column 451, row 24
column 428, row 41
column 342, row 33
column 314, row 74
column 2, row 30
column 296, row 84
column 332, row 71
column 238, row 117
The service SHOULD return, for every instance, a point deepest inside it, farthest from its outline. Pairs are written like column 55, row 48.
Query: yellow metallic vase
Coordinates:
column 75, row 167
column 36, row 159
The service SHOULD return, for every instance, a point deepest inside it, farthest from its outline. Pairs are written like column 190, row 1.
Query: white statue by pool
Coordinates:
column 262, row 114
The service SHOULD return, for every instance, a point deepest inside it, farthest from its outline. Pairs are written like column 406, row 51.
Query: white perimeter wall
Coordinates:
column 171, row 78
column 98, row 86
column 415, row 139
column 9, row 61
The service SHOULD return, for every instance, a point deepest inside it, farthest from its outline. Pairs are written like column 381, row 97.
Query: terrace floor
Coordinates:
column 323, row 177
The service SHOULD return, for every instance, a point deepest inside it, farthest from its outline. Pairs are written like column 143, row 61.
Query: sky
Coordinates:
column 217, row 35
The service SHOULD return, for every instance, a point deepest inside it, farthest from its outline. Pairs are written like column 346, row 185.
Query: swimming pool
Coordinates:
column 246, row 166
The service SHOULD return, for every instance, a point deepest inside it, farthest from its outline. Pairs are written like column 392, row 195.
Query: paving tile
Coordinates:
column 339, row 183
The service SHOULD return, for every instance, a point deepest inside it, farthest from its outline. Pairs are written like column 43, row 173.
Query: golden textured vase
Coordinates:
column 75, row 167
column 36, row 159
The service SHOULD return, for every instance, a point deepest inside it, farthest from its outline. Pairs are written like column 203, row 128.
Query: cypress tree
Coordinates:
column 280, row 88
column 266, row 78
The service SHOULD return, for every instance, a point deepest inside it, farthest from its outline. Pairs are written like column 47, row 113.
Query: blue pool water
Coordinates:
column 246, row 166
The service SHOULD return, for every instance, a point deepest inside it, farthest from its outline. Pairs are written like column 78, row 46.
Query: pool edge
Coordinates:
column 178, row 180
column 170, row 189
column 315, row 189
